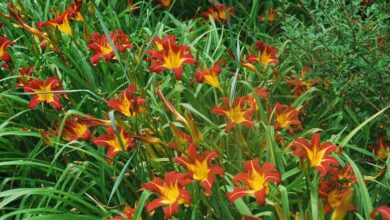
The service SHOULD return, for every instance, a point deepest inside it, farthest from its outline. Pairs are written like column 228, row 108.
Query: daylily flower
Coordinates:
column 74, row 130
column 317, row 154
column 286, row 117
column 62, row 21
column 270, row 17
column 200, row 167
column 257, row 180
column 165, row 3
column 128, row 104
column 265, row 56
column 210, row 76
column 170, row 57
column 171, row 193
column 340, row 201
column 300, row 84
column 345, row 178
column 102, row 49
column 219, row 13
column 383, row 210
column 25, row 76
column 236, row 114
column 259, row 92
column 44, row 92
column 4, row 43
column 77, row 127
column 381, row 148
column 112, row 142
column 128, row 212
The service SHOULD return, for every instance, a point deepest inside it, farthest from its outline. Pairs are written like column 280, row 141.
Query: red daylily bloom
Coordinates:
column 383, row 210
column 128, row 212
column 102, row 48
column 270, row 17
column 210, row 76
column 381, row 148
column 112, row 142
column 317, row 154
column 265, row 56
column 286, row 117
column 219, row 13
column 4, row 43
column 38, row 86
column 256, row 179
column 74, row 130
column 200, row 167
column 25, row 76
column 344, row 178
column 169, row 56
column 77, row 127
column 236, row 114
column 340, row 201
column 128, row 104
column 165, row 3
column 61, row 21
column 171, row 193
column 260, row 93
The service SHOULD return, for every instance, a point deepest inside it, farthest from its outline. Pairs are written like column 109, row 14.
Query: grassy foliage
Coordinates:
column 323, row 69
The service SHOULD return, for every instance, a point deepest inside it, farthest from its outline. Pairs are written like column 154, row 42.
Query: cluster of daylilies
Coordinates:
column 165, row 56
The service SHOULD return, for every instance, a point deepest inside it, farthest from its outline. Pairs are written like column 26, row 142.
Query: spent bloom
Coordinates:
column 25, row 76
column 171, row 193
column 236, row 114
column 210, row 76
column 316, row 153
column 112, row 142
column 219, row 12
column 264, row 57
column 165, row 3
column 169, row 56
column 128, row 104
column 381, row 148
column 256, row 180
column 102, row 48
column 45, row 92
column 199, row 167
column 270, row 16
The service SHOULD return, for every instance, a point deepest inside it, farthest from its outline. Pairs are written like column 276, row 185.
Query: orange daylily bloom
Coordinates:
column 383, row 210
column 300, row 84
column 257, row 180
column 165, row 3
column 62, row 21
column 270, row 17
column 128, row 104
column 259, row 92
column 25, row 76
column 170, row 57
column 344, row 178
column 382, row 147
column 286, row 117
column 219, row 13
column 265, row 56
column 4, row 43
column 112, row 142
column 236, row 114
column 210, row 76
column 44, row 92
column 200, row 167
column 317, row 154
column 102, row 48
column 171, row 193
